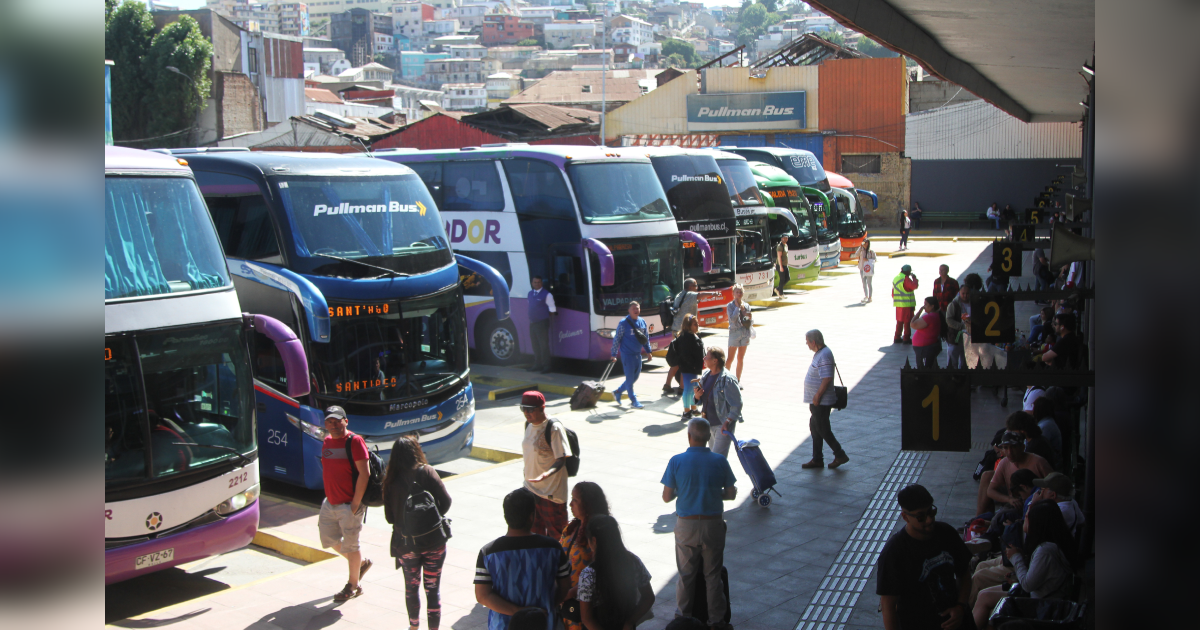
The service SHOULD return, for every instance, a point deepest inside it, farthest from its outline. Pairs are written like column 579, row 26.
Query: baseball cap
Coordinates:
column 335, row 411
column 1058, row 482
column 906, row 269
column 533, row 400
column 1012, row 437
column 914, row 497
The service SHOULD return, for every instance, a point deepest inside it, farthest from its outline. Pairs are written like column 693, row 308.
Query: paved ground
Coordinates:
column 805, row 559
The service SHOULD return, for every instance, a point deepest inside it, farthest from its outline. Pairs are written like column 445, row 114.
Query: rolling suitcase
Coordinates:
column 589, row 392
column 700, row 596
column 756, row 467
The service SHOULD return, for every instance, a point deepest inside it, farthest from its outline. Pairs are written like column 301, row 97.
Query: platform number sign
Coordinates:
column 992, row 318
column 1023, row 232
column 1006, row 258
column 935, row 412
column 1034, row 215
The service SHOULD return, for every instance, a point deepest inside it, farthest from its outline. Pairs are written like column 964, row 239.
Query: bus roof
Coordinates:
column 778, row 151
column 769, row 175
column 558, row 153
column 725, row 155
column 295, row 163
column 126, row 159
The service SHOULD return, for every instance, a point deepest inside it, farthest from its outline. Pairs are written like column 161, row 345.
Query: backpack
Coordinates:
column 666, row 313
column 373, row 497
column 423, row 524
column 573, row 440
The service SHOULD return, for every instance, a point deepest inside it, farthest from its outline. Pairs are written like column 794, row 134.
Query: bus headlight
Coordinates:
column 237, row 501
column 607, row 333
column 307, row 427
column 464, row 414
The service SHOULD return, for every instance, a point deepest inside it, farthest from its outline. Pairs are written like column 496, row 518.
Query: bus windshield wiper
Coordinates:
column 216, row 446
column 359, row 262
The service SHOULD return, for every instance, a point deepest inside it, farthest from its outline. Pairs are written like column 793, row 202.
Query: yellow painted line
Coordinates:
column 812, row 287
column 479, row 470
column 913, row 254
column 774, row 303
column 503, row 392
column 292, row 546
column 493, row 455
column 954, row 239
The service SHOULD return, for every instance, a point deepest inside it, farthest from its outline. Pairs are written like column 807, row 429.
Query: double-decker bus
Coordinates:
column 794, row 217
column 700, row 202
column 804, row 167
column 754, row 255
column 351, row 252
column 848, row 214
column 181, row 474
column 593, row 224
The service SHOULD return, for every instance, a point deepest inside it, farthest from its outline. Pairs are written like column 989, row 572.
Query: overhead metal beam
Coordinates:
column 884, row 23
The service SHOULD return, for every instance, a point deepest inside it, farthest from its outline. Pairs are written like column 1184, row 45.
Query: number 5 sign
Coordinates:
column 935, row 412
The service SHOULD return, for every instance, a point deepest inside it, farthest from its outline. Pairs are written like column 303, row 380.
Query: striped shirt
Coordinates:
column 523, row 570
column 822, row 367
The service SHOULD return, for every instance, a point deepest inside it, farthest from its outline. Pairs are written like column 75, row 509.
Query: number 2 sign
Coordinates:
column 992, row 318
column 935, row 412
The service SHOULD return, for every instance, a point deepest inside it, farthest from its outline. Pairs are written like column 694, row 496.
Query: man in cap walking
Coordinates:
column 342, row 511
column 544, row 450
column 905, row 302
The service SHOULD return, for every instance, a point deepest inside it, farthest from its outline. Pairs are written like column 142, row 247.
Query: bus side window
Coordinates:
column 570, row 286
column 538, row 189
column 431, row 174
column 240, row 213
column 472, row 186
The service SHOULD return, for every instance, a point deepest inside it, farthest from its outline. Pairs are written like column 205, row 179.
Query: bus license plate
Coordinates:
column 151, row 559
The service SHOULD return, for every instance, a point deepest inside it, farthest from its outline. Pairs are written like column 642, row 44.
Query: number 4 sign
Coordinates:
column 935, row 412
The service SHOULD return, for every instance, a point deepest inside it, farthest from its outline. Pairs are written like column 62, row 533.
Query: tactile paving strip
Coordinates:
column 834, row 600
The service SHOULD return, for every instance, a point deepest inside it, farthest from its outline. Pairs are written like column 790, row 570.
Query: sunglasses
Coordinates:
column 529, row 408
column 922, row 516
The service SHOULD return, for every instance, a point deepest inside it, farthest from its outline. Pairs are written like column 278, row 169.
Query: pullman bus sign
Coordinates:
column 762, row 110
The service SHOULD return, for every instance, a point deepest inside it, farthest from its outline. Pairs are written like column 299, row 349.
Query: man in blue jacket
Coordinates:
column 541, row 307
column 631, row 341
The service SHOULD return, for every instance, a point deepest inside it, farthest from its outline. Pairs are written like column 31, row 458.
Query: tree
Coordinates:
column 109, row 7
column 868, row 47
column 754, row 16
column 528, row 41
column 676, row 60
column 684, row 50
column 128, row 34
column 770, row 5
column 176, row 100
column 835, row 37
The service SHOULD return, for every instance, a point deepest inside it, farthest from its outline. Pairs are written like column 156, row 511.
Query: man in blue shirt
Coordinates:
column 520, row 569
column 701, row 479
column 541, row 307
column 631, row 341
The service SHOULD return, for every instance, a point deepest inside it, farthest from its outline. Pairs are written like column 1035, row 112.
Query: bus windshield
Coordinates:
column 158, row 238
column 694, row 187
column 178, row 387
column 804, row 167
column 648, row 270
column 615, row 192
column 752, row 241
column 385, row 351
column 739, row 181
column 722, row 252
column 387, row 222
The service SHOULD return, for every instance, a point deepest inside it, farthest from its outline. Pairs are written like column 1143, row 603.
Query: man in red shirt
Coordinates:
column 944, row 287
column 342, row 511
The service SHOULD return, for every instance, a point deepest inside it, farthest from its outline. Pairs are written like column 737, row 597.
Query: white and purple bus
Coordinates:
column 595, row 225
column 181, row 476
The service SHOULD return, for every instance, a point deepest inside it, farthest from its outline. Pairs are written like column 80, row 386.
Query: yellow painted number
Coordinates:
column 990, row 307
column 932, row 401
column 1007, row 264
column 1024, row 234
column 1035, row 215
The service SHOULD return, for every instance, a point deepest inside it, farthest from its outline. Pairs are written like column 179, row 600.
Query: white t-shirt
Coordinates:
column 1031, row 394
column 539, row 457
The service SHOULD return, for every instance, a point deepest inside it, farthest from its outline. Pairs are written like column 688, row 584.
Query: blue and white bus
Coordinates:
column 753, row 251
column 352, row 253
column 181, row 474
column 595, row 225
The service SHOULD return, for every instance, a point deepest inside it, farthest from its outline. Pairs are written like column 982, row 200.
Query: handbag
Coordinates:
column 638, row 334
column 744, row 317
column 840, row 393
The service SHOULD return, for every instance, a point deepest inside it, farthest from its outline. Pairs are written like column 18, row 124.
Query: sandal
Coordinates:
column 347, row 593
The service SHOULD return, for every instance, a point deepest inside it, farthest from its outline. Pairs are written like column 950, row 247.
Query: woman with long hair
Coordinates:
column 614, row 591
column 587, row 501
column 408, row 472
column 689, row 350
column 1043, row 564
column 740, row 325
column 866, row 268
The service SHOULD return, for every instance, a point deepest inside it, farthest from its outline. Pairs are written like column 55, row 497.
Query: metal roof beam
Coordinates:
column 883, row 22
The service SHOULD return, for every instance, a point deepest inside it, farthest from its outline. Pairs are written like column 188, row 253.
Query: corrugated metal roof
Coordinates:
column 978, row 130
column 553, row 116
column 620, row 86
column 321, row 95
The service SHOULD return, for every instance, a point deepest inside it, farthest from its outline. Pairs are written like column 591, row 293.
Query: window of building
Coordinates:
column 860, row 163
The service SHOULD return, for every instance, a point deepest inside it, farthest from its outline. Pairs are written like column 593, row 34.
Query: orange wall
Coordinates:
column 863, row 97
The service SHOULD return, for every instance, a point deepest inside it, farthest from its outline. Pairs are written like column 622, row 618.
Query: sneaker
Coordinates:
column 637, row 405
column 813, row 464
column 908, row 342
column 897, row 340
column 667, row 389
column 838, row 461
column 348, row 593
column 364, row 567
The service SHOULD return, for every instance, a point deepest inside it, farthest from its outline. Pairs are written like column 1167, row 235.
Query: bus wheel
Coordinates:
column 499, row 345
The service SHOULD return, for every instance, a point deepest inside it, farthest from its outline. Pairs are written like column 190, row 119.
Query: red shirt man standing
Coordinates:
column 944, row 287
column 342, row 511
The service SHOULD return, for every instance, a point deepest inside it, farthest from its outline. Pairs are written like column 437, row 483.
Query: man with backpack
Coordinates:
column 343, row 510
column 545, row 450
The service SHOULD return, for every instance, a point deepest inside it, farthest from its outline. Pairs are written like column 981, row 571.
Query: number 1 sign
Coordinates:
column 935, row 412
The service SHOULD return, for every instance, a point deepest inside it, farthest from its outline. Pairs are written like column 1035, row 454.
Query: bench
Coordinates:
column 973, row 220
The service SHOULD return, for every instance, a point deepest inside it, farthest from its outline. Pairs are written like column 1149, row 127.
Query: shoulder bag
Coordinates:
column 840, row 393
column 638, row 334
column 423, row 524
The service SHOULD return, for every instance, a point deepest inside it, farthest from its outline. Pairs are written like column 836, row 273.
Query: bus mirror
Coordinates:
column 706, row 253
column 295, row 362
column 493, row 277
column 608, row 267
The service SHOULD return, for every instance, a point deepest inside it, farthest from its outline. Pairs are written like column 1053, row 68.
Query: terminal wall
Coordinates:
column 965, row 185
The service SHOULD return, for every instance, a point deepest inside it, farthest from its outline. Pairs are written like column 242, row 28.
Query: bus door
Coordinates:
column 570, row 328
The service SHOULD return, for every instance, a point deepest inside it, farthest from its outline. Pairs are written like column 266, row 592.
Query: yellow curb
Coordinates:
column 773, row 303
column 913, row 254
column 659, row 353
column 813, row 287
column 292, row 547
column 479, row 470
column 493, row 455
column 503, row 392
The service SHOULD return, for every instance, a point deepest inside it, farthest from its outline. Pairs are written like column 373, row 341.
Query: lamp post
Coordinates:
column 196, row 127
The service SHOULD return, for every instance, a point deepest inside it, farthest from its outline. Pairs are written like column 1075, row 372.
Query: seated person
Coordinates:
column 1043, row 413
column 1005, row 527
column 1040, row 331
column 1058, row 488
column 1015, row 458
column 1035, row 443
column 985, row 470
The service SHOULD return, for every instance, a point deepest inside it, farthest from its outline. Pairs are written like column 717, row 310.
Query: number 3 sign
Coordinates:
column 935, row 412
